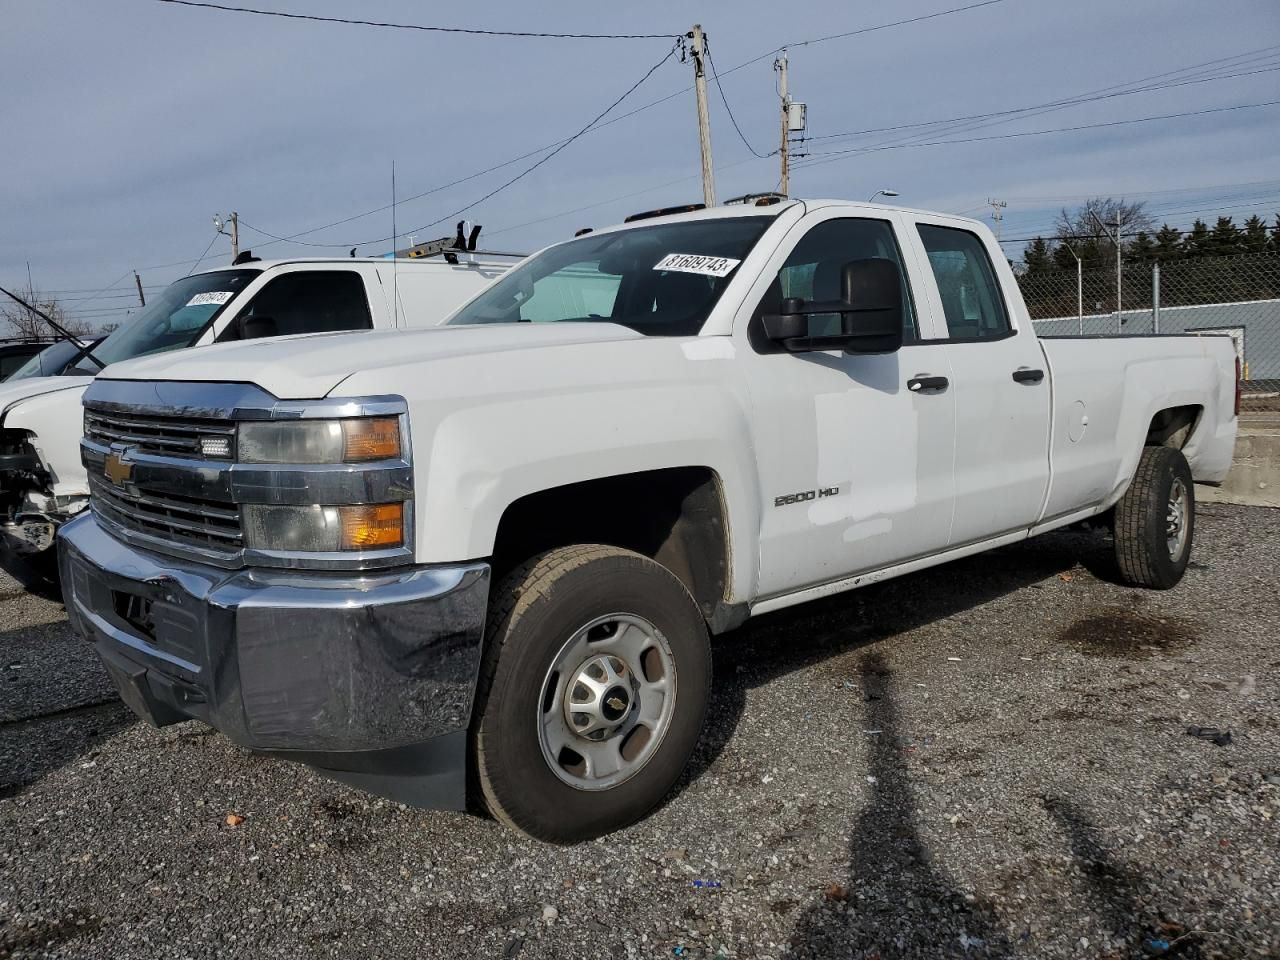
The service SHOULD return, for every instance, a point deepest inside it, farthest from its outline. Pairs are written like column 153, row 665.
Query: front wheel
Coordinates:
column 591, row 698
column 1155, row 520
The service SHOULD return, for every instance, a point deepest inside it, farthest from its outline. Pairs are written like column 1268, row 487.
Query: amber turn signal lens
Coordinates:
column 370, row 439
column 372, row 526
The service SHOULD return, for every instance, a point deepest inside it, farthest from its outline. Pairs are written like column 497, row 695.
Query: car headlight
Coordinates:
column 354, row 440
column 319, row 529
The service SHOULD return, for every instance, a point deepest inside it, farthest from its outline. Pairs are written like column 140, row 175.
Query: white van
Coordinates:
column 42, row 482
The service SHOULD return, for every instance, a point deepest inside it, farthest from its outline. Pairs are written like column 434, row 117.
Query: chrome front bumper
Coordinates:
column 368, row 677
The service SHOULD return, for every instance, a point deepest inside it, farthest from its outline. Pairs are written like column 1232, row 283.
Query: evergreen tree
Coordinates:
column 1275, row 235
column 1168, row 243
column 1196, row 241
column 1254, row 238
column 1140, row 248
column 1036, row 256
column 1225, row 238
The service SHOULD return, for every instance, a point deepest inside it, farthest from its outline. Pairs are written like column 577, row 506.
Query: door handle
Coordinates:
column 1028, row 376
column 927, row 384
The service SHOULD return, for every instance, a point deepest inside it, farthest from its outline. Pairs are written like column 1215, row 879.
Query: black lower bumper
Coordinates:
column 367, row 678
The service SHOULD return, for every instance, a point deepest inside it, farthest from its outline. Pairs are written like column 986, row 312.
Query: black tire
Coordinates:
column 1141, row 520
column 532, row 614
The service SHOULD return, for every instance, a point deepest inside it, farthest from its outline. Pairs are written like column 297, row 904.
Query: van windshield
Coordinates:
column 660, row 280
column 174, row 319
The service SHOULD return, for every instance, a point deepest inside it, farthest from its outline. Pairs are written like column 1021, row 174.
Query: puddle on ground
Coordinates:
column 1119, row 632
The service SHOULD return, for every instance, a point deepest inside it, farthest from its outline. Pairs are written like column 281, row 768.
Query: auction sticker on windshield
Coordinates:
column 218, row 297
column 697, row 263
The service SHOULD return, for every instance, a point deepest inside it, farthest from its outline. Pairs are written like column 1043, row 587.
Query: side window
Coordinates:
column 971, row 297
column 308, row 301
column 812, row 271
column 10, row 362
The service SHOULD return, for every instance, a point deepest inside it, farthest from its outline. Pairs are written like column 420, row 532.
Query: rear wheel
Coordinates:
column 592, row 694
column 1155, row 520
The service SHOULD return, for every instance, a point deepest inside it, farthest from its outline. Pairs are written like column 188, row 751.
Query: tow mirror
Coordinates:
column 870, row 312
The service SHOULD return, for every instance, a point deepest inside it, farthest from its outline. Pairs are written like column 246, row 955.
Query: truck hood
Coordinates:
column 308, row 367
column 19, row 390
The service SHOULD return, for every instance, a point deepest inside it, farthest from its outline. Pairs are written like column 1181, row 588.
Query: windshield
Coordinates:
column 47, row 362
column 174, row 319
column 661, row 280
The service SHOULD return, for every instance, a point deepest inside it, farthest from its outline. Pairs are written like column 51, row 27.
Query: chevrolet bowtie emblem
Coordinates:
column 616, row 702
column 117, row 470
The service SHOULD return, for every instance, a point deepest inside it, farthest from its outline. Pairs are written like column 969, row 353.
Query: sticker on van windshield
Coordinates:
column 697, row 263
column 218, row 297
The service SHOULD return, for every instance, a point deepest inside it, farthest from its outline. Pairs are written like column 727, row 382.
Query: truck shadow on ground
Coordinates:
column 889, row 866
column 32, row 749
column 779, row 643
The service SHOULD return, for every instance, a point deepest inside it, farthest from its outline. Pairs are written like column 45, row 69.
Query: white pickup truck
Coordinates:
column 485, row 558
column 42, row 482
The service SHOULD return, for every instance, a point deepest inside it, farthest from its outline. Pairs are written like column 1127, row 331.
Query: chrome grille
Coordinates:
column 172, row 436
column 200, row 523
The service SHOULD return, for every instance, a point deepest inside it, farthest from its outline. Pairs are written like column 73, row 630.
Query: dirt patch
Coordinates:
column 1119, row 632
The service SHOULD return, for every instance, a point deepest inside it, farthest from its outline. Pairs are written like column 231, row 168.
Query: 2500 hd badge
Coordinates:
column 805, row 495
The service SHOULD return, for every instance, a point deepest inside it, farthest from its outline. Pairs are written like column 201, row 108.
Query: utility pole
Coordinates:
column 699, row 50
column 234, row 222
column 781, row 66
column 997, row 213
column 138, row 280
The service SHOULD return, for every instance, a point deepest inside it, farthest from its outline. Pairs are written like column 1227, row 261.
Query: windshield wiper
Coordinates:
column 85, row 349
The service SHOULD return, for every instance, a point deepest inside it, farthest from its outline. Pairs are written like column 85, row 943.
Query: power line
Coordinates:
column 727, row 109
column 521, row 175
column 624, row 116
column 1168, row 213
column 1074, row 101
column 198, row 259
column 833, row 155
column 420, row 27
column 1180, row 76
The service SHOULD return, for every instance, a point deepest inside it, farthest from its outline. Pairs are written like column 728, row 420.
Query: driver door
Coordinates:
column 855, row 462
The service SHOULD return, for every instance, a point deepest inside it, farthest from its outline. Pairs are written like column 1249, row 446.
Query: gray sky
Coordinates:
column 129, row 123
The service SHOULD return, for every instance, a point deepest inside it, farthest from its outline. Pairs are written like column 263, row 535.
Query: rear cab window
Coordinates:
column 972, row 300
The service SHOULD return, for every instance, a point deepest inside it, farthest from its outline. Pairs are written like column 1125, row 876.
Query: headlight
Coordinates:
column 319, row 441
column 316, row 529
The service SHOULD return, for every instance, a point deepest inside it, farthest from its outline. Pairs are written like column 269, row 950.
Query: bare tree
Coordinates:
column 1132, row 217
column 21, row 322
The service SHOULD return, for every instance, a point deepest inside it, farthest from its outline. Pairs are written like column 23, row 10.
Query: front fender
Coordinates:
column 54, row 420
column 489, row 431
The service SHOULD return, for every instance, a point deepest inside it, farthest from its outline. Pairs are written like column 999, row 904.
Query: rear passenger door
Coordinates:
column 999, row 380
column 303, row 301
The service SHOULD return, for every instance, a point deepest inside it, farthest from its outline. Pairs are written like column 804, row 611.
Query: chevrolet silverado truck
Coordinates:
column 42, row 482
column 483, row 561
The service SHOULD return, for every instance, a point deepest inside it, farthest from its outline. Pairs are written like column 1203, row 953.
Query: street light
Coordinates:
column 1107, row 227
column 882, row 193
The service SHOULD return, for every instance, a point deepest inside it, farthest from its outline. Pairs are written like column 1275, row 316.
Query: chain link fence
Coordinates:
column 1238, row 296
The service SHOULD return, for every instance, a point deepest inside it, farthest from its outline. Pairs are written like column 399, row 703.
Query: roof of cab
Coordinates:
column 769, row 210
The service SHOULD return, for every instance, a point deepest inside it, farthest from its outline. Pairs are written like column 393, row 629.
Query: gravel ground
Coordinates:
column 989, row 759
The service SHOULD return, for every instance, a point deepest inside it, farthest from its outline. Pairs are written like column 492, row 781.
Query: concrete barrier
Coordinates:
column 1254, row 480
